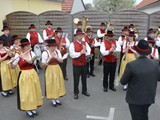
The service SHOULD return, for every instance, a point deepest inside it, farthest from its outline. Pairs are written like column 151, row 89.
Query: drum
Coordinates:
column 37, row 50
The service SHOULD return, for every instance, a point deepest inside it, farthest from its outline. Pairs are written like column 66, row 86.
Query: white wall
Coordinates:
column 77, row 6
column 151, row 8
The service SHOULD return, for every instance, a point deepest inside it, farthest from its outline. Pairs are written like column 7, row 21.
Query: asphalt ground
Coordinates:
column 99, row 106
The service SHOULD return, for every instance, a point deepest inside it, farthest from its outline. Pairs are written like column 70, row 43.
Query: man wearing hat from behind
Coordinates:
column 48, row 33
column 141, row 82
column 108, row 49
column 33, row 36
column 78, row 51
column 6, row 37
column 63, row 44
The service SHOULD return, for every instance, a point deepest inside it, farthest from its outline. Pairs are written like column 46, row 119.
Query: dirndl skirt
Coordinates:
column 6, row 76
column 54, row 82
column 129, row 57
column 14, row 74
column 29, row 94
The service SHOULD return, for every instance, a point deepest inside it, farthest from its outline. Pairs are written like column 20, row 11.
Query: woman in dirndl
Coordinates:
column 16, row 49
column 154, row 54
column 54, row 81
column 6, row 80
column 28, row 88
column 129, row 54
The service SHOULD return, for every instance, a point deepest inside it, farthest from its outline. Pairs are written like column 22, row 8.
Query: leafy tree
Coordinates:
column 110, row 6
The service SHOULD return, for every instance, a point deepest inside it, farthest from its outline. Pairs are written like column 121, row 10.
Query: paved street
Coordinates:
column 100, row 105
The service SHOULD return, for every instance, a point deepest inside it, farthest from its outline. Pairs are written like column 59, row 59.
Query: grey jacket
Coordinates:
column 141, row 76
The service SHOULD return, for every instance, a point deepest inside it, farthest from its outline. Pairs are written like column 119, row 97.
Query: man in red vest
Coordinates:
column 48, row 33
column 108, row 49
column 78, row 51
column 79, row 26
column 63, row 44
column 33, row 36
column 92, row 42
column 100, row 35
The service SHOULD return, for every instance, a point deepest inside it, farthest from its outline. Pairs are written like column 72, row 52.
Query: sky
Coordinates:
column 91, row 1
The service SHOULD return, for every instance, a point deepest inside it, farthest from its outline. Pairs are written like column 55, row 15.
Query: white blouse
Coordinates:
column 46, row 55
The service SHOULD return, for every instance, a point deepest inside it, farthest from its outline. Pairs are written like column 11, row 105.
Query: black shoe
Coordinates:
column 75, row 97
column 86, row 94
column 54, row 105
column 66, row 78
column 105, row 90
column 4, row 94
column 88, row 76
column 35, row 113
column 93, row 75
column 31, row 116
column 113, row 89
column 99, row 64
column 10, row 92
column 58, row 103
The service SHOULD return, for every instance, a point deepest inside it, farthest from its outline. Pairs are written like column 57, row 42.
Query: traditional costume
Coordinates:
column 129, row 54
column 79, row 26
column 17, row 50
column 33, row 36
column 108, row 49
column 63, row 44
column 154, row 54
column 28, row 88
column 54, row 82
column 100, row 34
column 48, row 33
column 6, row 37
column 121, row 40
column 92, row 42
column 6, row 78
column 78, row 51
column 133, row 29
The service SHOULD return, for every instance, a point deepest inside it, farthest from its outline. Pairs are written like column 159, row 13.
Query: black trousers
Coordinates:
column 63, row 68
column 80, row 71
column 139, row 112
column 109, row 68
column 159, row 50
column 90, row 65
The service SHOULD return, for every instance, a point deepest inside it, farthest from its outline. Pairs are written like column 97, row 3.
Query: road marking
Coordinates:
column 96, row 117
column 111, row 114
column 110, row 117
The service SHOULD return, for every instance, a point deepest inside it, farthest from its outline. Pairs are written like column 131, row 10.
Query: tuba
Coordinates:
column 84, row 22
column 109, row 28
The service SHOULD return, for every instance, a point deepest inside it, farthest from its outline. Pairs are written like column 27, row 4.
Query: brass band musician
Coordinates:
column 92, row 42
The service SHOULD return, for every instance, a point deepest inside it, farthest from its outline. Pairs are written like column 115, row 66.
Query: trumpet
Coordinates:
column 89, row 57
column 19, row 56
column 134, row 30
